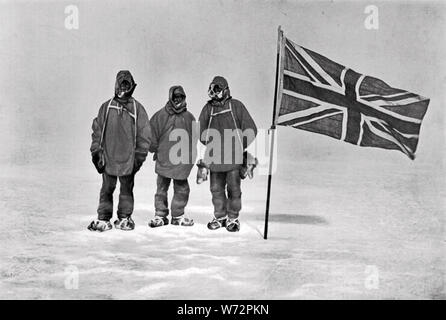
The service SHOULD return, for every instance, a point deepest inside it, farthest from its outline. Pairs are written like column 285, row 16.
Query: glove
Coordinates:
column 139, row 160
column 251, row 168
column 249, row 164
column 98, row 160
column 154, row 149
column 202, row 172
column 136, row 166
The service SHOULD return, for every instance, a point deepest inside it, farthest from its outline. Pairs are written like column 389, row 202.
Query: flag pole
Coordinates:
column 273, row 127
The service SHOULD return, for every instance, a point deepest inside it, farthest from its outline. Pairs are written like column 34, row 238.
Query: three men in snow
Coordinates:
column 123, row 136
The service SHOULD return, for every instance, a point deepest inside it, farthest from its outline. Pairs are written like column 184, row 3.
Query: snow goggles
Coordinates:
column 215, row 91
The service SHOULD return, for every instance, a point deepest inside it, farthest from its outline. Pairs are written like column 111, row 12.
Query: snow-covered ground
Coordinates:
column 334, row 233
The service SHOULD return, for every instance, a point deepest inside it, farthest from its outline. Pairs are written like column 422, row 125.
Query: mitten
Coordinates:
column 139, row 160
column 97, row 157
column 202, row 172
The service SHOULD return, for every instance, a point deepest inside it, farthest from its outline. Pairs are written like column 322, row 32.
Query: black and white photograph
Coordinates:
column 222, row 150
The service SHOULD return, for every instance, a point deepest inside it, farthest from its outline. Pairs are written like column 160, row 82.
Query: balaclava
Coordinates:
column 124, row 86
column 177, row 99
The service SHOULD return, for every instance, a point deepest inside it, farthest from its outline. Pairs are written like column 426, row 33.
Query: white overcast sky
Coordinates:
column 53, row 80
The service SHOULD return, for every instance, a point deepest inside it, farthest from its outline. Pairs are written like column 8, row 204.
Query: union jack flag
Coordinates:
column 322, row 96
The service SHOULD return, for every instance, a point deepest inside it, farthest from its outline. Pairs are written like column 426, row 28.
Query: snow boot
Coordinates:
column 158, row 222
column 233, row 225
column 100, row 225
column 125, row 224
column 182, row 221
column 217, row 223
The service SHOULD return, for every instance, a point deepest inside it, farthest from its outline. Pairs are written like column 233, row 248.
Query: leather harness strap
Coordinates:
column 110, row 106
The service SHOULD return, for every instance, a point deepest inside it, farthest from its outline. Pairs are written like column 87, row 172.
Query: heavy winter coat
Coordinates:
column 223, row 119
column 121, row 135
column 162, row 124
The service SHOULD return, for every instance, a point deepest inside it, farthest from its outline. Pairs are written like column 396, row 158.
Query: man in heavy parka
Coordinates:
column 223, row 113
column 172, row 126
column 120, row 143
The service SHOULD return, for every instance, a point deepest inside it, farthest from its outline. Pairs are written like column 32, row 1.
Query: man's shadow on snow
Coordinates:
column 291, row 218
column 295, row 218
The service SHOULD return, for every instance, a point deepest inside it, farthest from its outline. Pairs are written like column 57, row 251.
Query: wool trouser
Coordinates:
column 228, row 204
column 126, row 200
column 180, row 198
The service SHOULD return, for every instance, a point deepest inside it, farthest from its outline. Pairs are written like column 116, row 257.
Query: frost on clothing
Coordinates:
column 124, row 149
column 162, row 124
column 223, row 120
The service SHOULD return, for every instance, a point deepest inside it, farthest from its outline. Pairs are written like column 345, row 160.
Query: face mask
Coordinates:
column 124, row 88
column 215, row 91
column 178, row 99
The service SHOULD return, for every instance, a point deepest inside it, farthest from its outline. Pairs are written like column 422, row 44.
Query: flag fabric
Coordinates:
column 322, row 96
